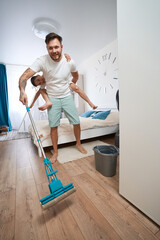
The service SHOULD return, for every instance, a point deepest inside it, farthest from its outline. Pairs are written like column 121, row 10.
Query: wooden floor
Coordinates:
column 95, row 211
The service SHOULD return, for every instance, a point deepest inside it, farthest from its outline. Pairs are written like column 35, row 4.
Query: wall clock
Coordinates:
column 101, row 77
column 106, row 73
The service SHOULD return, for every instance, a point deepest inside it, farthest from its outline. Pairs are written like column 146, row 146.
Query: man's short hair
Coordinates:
column 52, row 36
column 32, row 80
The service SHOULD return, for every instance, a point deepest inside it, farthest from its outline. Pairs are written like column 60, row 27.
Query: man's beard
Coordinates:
column 56, row 57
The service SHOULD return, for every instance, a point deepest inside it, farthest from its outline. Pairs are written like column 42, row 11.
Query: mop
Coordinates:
column 57, row 191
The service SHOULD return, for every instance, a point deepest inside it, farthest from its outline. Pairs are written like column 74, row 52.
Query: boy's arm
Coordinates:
column 22, row 84
column 75, row 77
column 35, row 98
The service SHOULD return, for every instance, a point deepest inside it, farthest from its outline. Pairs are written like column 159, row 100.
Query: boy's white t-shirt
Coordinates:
column 56, row 75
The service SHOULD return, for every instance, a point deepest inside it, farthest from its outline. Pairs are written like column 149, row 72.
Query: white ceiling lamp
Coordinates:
column 43, row 26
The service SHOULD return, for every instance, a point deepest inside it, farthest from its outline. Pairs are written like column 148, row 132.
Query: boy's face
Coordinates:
column 39, row 80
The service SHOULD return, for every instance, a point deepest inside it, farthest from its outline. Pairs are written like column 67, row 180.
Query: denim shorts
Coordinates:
column 66, row 105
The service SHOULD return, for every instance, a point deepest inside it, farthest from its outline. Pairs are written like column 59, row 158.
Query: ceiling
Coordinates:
column 86, row 26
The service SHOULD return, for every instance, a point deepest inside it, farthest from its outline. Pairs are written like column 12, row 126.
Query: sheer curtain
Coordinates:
column 17, row 110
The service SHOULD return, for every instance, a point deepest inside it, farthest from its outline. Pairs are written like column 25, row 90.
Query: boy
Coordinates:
column 40, row 80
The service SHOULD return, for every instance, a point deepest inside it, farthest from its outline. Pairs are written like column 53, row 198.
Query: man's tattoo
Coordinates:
column 21, row 94
column 27, row 71
column 23, row 83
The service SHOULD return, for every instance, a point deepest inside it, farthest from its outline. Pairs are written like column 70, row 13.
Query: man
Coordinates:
column 56, row 70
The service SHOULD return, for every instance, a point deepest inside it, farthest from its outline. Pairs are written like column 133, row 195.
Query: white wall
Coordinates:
column 100, row 76
column 139, row 84
column 86, row 26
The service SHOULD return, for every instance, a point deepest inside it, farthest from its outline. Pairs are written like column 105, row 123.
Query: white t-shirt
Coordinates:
column 56, row 75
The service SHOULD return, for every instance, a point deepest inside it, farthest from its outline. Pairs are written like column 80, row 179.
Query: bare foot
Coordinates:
column 53, row 159
column 45, row 106
column 81, row 148
column 94, row 107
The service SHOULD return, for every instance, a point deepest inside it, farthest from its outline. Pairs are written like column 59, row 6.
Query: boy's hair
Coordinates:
column 52, row 36
column 32, row 80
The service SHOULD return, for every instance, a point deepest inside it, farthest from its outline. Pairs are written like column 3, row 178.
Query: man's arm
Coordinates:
column 22, row 84
column 75, row 77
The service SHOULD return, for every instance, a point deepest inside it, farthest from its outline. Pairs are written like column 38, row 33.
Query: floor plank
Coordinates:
column 29, row 219
column 22, row 158
column 7, row 214
column 121, row 220
column 59, row 220
column 95, row 211
column 61, row 224
column 29, row 216
column 146, row 221
column 7, row 166
column 90, row 221
column 158, row 234
column 96, row 226
column 108, row 183
column 7, row 189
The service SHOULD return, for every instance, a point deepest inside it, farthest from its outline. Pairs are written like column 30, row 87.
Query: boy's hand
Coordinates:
column 68, row 58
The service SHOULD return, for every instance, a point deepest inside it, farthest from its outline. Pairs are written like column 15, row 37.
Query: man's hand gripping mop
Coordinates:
column 57, row 190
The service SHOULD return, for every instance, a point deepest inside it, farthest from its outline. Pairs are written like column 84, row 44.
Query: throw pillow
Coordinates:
column 87, row 114
column 101, row 115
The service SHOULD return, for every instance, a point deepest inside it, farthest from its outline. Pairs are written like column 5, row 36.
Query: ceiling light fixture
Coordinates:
column 42, row 26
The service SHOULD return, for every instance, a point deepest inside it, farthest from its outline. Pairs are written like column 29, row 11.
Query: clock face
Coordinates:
column 101, row 77
column 105, row 73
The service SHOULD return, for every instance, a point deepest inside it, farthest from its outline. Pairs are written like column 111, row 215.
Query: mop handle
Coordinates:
column 35, row 131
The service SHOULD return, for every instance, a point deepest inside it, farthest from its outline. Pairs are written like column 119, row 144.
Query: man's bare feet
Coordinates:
column 53, row 159
column 45, row 106
column 81, row 148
